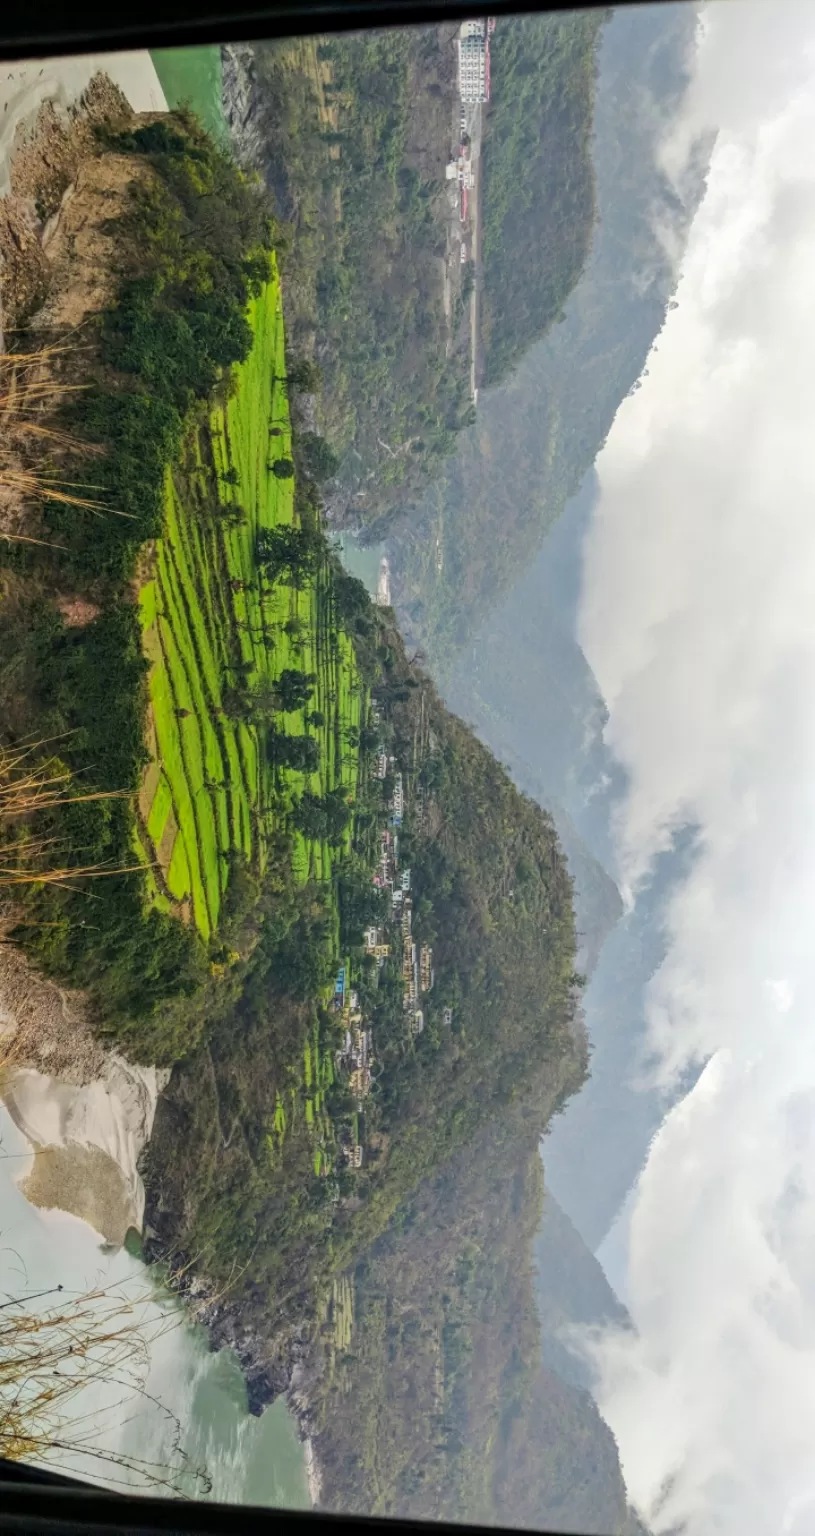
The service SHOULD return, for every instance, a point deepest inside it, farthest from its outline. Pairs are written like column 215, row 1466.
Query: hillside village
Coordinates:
column 392, row 937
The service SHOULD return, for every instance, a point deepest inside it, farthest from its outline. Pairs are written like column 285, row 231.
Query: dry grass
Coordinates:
column 32, row 781
column 31, row 392
column 73, row 1365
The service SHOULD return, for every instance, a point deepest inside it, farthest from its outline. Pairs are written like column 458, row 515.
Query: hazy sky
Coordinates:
column 698, row 618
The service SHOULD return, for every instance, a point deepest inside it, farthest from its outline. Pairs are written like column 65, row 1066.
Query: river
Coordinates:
column 185, row 1395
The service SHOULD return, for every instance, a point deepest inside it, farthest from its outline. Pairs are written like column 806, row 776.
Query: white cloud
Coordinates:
column 698, row 617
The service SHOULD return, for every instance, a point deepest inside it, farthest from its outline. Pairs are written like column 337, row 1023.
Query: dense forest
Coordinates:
column 538, row 179
column 538, row 434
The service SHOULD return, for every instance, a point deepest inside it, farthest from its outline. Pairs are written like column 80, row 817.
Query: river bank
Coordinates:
column 276, row 1368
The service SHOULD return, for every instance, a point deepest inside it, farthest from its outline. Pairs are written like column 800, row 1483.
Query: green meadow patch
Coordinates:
column 212, row 622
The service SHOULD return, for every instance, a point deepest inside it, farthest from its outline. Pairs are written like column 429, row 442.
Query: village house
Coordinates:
column 376, row 942
column 338, row 1000
column 397, row 805
column 408, row 957
column 426, row 968
column 417, row 1022
column 360, row 1081
column 447, row 1016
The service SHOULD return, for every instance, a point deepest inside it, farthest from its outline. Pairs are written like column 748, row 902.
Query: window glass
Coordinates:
column 407, row 751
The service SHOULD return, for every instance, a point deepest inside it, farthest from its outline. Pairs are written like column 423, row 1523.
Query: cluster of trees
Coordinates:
column 258, row 705
column 192, row 247
column 301, row 753
column 323, row 818
column 289, row 550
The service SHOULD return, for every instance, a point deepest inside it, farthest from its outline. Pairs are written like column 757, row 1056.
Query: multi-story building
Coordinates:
column 376, row 943
column 474, row 62
column 398, row 800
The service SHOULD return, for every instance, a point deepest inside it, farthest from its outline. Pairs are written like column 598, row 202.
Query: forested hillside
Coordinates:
column 538, row 179
column 538, row 434
column 439, row 1405
column 492, row 899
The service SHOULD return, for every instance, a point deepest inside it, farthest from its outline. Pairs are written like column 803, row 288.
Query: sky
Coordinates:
column 697, row 616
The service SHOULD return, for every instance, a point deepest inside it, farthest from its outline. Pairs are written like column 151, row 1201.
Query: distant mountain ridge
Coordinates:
column 465, row 545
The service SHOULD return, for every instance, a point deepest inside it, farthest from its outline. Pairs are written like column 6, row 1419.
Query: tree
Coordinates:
column 319, row 458
column 304, row 375
column 323, row 818
column 230, row 476
column 351, row 597
column 299, row 752
column 368, row 738
column 360, row 902
column 297, row 550
column 293, row 689
column 283, row 469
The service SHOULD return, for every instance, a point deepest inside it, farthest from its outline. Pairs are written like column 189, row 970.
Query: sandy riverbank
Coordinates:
column 86, row 1113
column 25, row 87
column 86, row 1141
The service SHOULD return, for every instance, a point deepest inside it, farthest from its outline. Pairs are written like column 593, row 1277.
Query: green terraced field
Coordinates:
column 209, row 790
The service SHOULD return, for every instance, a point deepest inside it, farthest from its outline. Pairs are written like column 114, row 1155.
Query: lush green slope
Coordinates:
column 173, row 705
column 206, row 615
column 434, row 1403
column 491, row 895
column 538, row 179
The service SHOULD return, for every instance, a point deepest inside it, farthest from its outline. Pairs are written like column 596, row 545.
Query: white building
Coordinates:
column 473, row 62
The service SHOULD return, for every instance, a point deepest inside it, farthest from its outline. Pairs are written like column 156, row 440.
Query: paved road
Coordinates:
column 475, row 116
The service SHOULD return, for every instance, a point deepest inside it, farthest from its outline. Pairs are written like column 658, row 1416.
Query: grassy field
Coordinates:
column 207, row 621
column 192, row 77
